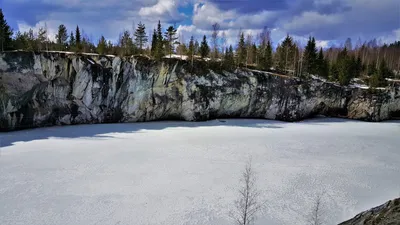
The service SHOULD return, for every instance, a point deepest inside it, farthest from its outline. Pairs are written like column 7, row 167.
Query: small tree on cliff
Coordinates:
column 170, row 38
column 310, row 57
column 241, row 50
column 191, row 49
column 140, row 37
column 102, row 45
column 78, row 45
column 5, row 33
column 204, row 49
column 62, row 37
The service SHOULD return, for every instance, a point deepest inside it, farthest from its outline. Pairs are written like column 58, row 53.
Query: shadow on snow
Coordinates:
column 105, row 130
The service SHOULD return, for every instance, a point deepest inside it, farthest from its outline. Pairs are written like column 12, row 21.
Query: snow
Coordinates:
column 91, row 61
column 318, row 78
column 361, row 86
column 175, row 56
column 182, row 173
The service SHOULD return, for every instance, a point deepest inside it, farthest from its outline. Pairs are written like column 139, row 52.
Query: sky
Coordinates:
column 331, row 22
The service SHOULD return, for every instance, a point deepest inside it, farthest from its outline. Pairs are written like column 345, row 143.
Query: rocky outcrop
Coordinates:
column 386, row 214
column 43, row 89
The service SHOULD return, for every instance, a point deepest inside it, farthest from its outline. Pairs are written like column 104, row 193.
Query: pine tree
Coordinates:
column 154, row 44
column 265, row 60
column 378, row 78
column 285, row 59
column 229, row 60
column 322, row 65
column 5, row 33
column 62, row 37
column 359, row 67
column 126, row 44
column 333, row 72
column 78, row 39
column 170, row 38
column 268, row 56
column 253, row 55
column 196, row 48
column 41, row 38
column 310, row 57
column 101, row 46
column 21, row 41
column 204, row 49
column 32, row 45
column 72, row 42
column 191, row 49
column 160, row 42
column 344, row 63
column 241, row 50
column 140, row 37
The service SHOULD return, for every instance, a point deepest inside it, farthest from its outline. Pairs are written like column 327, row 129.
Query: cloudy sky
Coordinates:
column 330, row 21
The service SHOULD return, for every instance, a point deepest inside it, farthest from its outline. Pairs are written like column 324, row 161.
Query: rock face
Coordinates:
column 386, row 214
column 43, row 89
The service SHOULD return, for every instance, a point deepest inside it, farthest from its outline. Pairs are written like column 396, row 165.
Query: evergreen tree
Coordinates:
column 5, row 33
column 126, row 44
column 333, row 72
column 229, row 59
column 378, row 78
column 160, row 42
column 78, row 39
column 268, row 56
column 196, row 48
column 204, row 48
column 322, row 65
column 286, row 52
column 62, row 37
column 371, row 70
column 310, row 57
column 253, row 55
column 41, row 38
column 170, row 38
column 21, row 41
column 154, row 43
column 344, row 67
column 32, row 45
column 265, row 57
column 72, row 42
column 191, row 49
column 359, row 67
column 241, row 50
column 101, row 46
column 140, row 37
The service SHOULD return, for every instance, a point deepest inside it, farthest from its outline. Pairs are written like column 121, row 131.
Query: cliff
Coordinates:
column 44, row 89
column 386, row 214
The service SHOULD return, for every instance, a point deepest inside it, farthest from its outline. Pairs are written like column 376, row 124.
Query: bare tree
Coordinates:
column 316, row 215
column 249, row 202
column 214, row 40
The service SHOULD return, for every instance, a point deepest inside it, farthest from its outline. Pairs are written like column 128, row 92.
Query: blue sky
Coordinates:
column 330, row 21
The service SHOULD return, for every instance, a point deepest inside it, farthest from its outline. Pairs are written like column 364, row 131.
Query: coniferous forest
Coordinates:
column 369, row 61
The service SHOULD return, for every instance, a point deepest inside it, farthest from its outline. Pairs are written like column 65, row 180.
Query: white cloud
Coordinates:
column 163, row 9
column 52, row 28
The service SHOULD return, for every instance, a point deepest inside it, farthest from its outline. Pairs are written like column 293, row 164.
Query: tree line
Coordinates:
column 368, row 60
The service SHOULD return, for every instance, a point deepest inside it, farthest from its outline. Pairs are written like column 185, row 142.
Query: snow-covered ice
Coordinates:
column 183, row 173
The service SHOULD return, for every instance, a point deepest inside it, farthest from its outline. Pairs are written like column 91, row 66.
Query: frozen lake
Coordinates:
column 181, row 173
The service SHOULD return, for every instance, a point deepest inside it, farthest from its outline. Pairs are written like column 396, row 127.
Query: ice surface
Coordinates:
column 182, row 173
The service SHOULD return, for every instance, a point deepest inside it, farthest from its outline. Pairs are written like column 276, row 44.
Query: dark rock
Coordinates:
column 386, row 214
column 42, row 89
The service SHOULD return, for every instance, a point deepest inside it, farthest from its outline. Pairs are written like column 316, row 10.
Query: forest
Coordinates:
column 369, row 61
